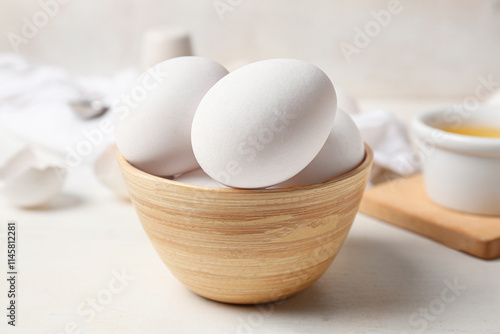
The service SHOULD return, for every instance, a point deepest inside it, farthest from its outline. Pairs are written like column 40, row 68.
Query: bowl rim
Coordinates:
column 363, row 165
column 423, row 129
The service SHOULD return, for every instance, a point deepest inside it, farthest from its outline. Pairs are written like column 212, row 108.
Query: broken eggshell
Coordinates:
column 28, row 183
column 107, row 171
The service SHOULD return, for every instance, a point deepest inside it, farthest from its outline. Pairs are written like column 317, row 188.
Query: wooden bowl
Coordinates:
column 247, row 246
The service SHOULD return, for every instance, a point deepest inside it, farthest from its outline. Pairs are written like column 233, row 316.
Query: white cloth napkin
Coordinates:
column 388, row 137
column 34, row 104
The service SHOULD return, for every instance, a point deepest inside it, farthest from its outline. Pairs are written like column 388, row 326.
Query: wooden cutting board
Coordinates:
column 404, row 203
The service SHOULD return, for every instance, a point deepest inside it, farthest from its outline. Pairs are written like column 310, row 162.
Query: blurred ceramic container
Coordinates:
column 461, row 172
column 162, row 44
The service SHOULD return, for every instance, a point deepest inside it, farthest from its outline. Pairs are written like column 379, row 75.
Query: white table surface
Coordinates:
column 384, row 280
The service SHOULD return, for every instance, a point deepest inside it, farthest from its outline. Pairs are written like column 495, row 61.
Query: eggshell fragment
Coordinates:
column 343, row 150
column 263, row 123
column 154, row 132
column 26, row 182
column 200, row 178
column 10, row 146
column 108, row 171
column 17, row 162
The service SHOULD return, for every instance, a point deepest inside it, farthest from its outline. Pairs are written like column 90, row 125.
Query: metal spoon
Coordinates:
column 88, row 109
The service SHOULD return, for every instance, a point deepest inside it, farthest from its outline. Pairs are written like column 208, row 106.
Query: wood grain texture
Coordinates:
column 404, row 203
column 247, row 246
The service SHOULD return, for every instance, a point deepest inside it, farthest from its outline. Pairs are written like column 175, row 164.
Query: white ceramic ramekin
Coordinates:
column 460, row 172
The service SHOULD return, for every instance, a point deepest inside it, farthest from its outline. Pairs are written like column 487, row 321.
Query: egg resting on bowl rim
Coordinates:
column 154, row 132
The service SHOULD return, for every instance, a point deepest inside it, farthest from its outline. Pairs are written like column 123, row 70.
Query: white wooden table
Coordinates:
column 86, row 266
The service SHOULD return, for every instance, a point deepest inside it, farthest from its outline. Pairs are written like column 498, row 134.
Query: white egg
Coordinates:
column 107, row 170
column 343, row 150
column 263, row 123
column 26, row 182
column 200, row 178
column 153, row 125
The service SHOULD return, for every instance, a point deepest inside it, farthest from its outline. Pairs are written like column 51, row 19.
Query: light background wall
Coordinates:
column 432, row 48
